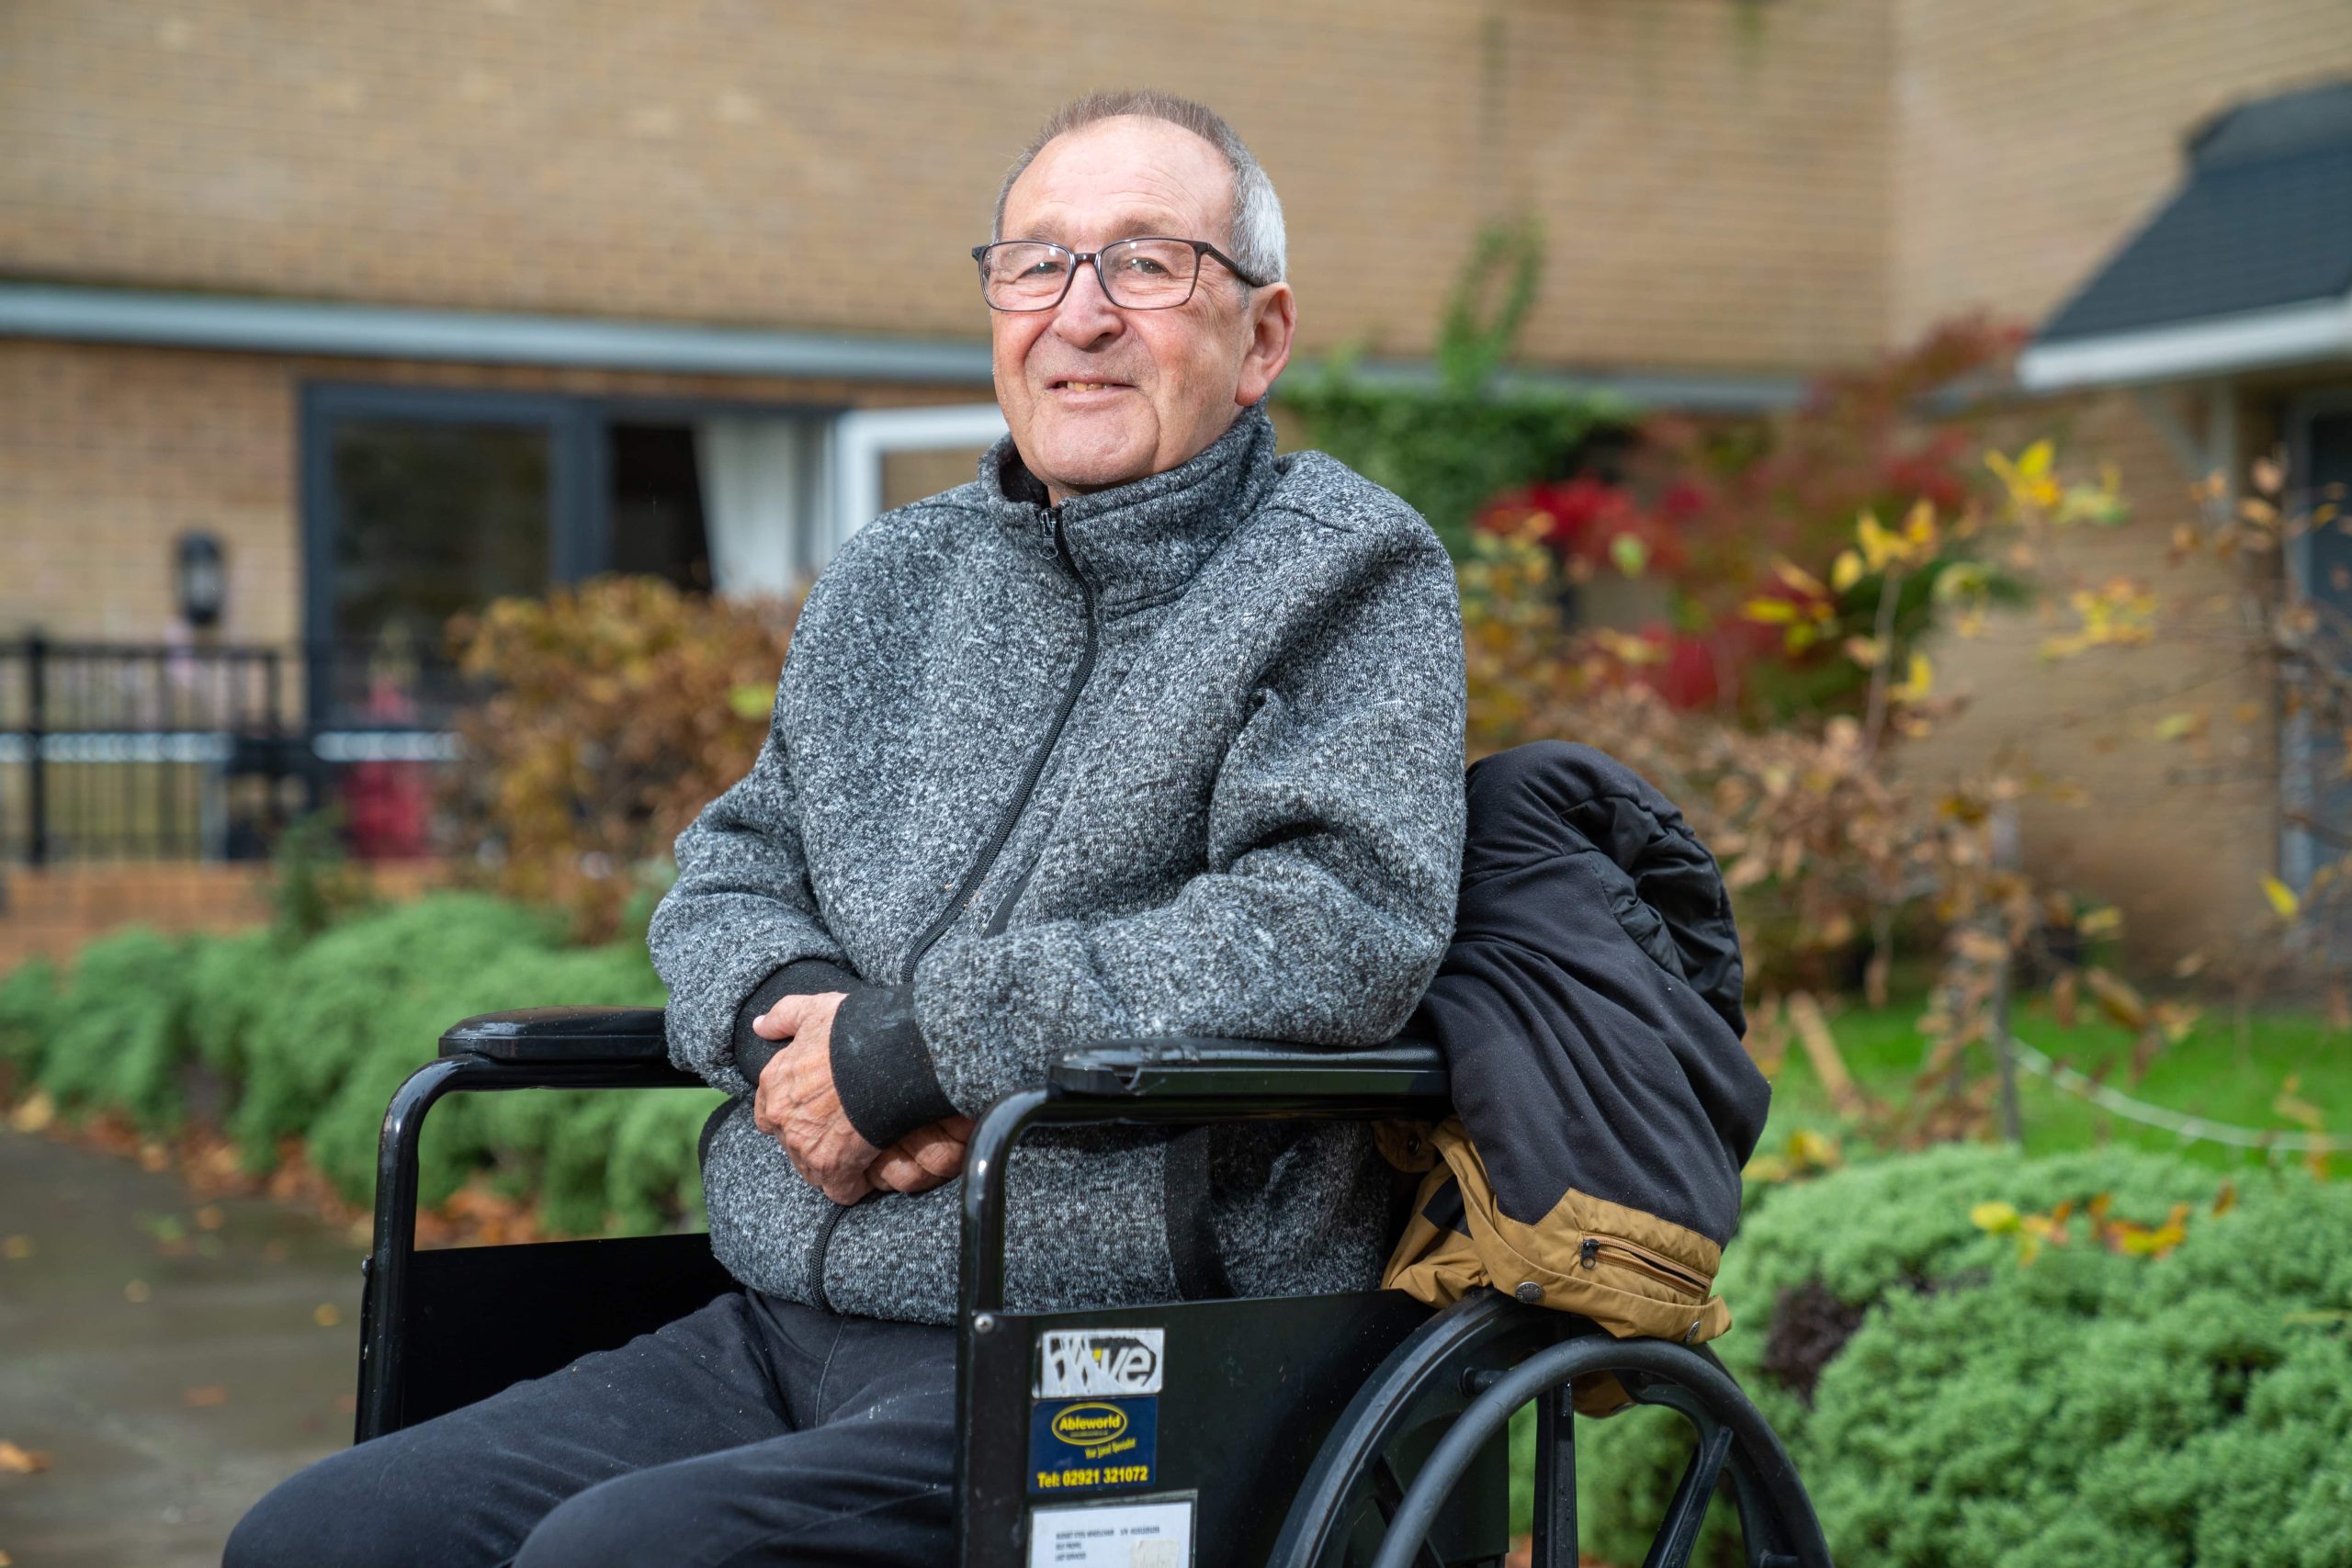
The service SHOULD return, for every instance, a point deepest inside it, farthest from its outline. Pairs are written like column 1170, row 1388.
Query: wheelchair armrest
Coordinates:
column 541, row 1036
column 1242, row 1070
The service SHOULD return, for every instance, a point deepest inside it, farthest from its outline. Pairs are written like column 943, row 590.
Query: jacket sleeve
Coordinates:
column 740, row 911
column 1334, row 846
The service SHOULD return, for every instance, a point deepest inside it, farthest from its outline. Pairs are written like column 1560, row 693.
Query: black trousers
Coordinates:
column 749, row 1432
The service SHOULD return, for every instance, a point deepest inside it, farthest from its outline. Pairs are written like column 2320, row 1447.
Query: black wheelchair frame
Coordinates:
column 1321, row 1431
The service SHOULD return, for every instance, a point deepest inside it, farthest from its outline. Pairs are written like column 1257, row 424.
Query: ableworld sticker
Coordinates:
column 1092, row 1445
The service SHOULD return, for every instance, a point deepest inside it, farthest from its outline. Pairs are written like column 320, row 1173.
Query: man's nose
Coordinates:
column 1086, row 314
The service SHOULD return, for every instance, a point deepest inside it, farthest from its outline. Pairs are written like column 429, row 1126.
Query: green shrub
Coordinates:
column 28, row 998
column 308, row 1040
column 117, row 1039
column 1951, row 1404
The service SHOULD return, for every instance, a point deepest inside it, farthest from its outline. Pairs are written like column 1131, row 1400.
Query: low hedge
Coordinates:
column 273, row 1040
column 1958, row 1391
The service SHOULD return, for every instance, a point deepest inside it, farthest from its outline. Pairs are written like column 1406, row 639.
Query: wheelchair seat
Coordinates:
column 1345, row 1430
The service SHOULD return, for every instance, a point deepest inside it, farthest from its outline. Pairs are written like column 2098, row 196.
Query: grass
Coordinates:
column 2209, row 1074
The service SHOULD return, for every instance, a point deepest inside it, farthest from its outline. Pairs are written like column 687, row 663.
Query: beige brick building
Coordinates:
column 683, row 286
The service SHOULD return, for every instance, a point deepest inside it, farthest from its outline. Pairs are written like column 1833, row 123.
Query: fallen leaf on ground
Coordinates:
column 17, row 1248
column 325, row 1316
column 210, row 1217
column 135, row 1291
column 207, row 1395
column 35, row 1114
column 22, row 1461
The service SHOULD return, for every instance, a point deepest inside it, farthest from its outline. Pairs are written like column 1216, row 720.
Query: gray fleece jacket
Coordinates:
column 1183, row 757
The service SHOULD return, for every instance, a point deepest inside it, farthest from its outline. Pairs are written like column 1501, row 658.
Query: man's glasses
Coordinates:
column 1149, row 273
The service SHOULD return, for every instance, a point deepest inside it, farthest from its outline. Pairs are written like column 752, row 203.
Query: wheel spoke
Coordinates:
column 1387, row 1491
column 1555, row 1479
column 1671, row 1548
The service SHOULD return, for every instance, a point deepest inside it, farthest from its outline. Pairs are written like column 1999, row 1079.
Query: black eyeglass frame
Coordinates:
column 1200, row 248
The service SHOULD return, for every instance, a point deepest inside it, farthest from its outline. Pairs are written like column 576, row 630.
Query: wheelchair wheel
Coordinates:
column 1476, row 1364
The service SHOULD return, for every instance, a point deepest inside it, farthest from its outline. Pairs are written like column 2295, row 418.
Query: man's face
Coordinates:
column 1096, row 395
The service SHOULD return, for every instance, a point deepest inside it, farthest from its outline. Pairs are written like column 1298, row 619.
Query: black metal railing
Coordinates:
column 118, row 751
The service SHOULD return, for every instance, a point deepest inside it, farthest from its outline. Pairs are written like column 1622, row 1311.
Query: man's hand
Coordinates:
column 797, row 1105
column 924, row 1157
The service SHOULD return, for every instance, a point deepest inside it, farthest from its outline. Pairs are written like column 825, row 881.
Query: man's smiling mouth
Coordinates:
column 1068, row 386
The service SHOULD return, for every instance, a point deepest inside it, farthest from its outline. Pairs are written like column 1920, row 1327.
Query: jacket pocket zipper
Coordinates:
column 1642, row 1260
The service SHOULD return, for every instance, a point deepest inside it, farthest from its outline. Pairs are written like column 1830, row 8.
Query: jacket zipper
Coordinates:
column 972, row 879
column 1641, row 1260
column 823, row 1244
column 987, row 861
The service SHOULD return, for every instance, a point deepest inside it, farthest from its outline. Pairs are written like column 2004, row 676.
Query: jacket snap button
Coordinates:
column 1529, row 1291
column 1693, row 1336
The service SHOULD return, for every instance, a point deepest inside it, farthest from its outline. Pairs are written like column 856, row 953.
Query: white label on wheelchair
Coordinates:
column 1156, row 1534
column 1073, row 1362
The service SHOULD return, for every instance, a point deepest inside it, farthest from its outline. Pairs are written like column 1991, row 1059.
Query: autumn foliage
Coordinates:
column 615, row 711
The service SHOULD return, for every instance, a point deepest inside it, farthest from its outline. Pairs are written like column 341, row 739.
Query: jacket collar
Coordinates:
column 1144, row 540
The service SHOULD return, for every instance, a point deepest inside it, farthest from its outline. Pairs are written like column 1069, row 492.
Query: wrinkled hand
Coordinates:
column 924, row 1157
column 797, row 1105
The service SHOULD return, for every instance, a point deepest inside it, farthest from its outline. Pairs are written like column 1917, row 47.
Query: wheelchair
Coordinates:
column 1358, row 1430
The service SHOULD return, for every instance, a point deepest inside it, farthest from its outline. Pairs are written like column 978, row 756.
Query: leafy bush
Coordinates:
column 307, row 1042
column 1451, row 446
column 1965, row 1373
column 618, row 709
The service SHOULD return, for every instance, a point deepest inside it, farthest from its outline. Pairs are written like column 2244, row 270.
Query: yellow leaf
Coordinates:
column 1920, row 680
column 1919, row 526
column 750, row 702
column 1879, row 546
column 1846, row 570
column 2098, row 923
column 1814, row 1150
column 1865, row 651
column 1997, row 1218
column 22, row 1461
column 2282, row 897
column 2175, row 725
column 1770, row 611
column 1799, row 578
column 1629, row 554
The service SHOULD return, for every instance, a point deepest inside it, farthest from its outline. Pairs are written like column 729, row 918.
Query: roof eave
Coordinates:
column 2315, row 332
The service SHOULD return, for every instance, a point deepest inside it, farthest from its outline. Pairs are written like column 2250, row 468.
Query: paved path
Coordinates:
column 165, row 1417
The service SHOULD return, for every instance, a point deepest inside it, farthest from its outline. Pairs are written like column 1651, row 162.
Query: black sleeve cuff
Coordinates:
column 882, row 1070
column 801, row 977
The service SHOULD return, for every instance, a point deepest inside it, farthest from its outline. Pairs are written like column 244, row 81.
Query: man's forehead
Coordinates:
column 1121, row 176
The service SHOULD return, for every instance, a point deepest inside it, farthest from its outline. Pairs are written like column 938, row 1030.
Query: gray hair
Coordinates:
column 1256, row 241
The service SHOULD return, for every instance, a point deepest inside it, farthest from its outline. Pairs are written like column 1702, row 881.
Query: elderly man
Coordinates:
column 1149, row 731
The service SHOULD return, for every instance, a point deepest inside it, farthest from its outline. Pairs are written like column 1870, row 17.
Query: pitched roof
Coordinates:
column 2264, row 222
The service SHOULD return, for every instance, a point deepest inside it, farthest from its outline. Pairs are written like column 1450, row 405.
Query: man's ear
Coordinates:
column 1274, row 321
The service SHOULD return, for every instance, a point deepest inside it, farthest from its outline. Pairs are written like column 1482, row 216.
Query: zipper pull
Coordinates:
column 1589, row 1251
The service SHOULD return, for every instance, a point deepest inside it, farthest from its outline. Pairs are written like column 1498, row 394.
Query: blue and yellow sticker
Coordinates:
column 1092, row 1445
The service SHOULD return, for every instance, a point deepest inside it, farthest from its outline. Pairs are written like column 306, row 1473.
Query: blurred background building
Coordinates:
column 318, row 323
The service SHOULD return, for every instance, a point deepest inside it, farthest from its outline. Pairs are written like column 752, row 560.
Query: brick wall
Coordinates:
column 2030, row 139
column 1712, row 172
column 2178, row 834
